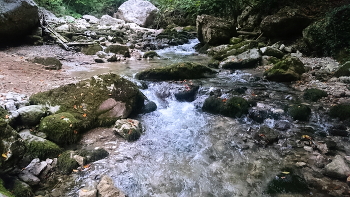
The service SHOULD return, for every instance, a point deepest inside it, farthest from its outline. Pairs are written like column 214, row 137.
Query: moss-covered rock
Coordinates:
column 150, row 54
column 22, row 189
column 31, row 115
column 92, row 155
column 66, row 163
column 330, row 35
column 4, row 191
column 235, row 49
column 51, row 63
column 314, row 94
column 62, row 128
column 287, row 182
column 91, row 49
column 12, row 148
column 248, row 59
column 118, row 49
column 84, row 99
column 233, row 107
column 129, row 129
column 286, row 70
column 37, row 147
column 344, row 70
column 300, row 112
column 178, row 71
column 341, row 111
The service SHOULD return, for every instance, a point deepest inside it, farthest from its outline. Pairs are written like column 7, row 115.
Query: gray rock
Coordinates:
column 247, row 59
column 270, row 51
column 107, row 189
column 91, row 19
column 29, row 178
column 63, row 28
column 113, row 108
column 140, row 12
column 36, row 167
column 337, row 168
column 50, row 63
column 17, row 19
column 129, row 129
column 214, row 31
column 107, row 20
column 31, row 115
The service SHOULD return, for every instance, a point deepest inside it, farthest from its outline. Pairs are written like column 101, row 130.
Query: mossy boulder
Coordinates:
column 91, row 49
column 314, row 94
column 4, row 191
column 92, row 155
column 344, row 70
column 329, row 35
column 118, row 49
column 271, row 51
column 12, row 148
column 248, row 59
column 150, row 54
column 66, row 163
column 233, row 107
column 300, row 112
column 178, row 71
column 234, row 49
column 51, row 63
column 31, row 115
column 341, row 111
column 287, row 70
column 128, row 129
column 85, row 100
column 62, row 128
column 22, row 189
column 287, row 182
column 37, row 147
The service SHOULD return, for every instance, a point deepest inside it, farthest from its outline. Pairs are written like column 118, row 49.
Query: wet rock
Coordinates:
column 314, row 94
column 107, row 189
column 214, row 31
column 140, row 12
column 266, row 136
column 233, row 107
column 282, row 125
column 114, row 58
column 107, row 20
column 341, row 111
column 178, row 71
column 50, row 63
column 19, row 18
column 86, row 156
column 344, row 70
column 189, row 94
column 112, row 109
column 337, row 168
column 300, row 112
column 287, row 182
column 288, row 69
column 66, row 163
column 129, row 129
column 84, row 192
column 248, row 59
column 150, row 54
column 271, row 51
column 149, row 107
column 31, row 115
column 287, row 22
column 339, row 130
column 91, row 19
column 98, row 60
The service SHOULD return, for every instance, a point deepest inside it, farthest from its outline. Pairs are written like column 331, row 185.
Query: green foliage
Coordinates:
column 42, row 149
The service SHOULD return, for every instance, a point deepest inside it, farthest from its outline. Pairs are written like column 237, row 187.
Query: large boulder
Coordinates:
column 248, row 59
column 330, row 34
column 286, row 70
column 17, row 19
column 214, row 31
column 285, row 23
column 178, row 71
column 232, row 107
column 140, row 12
column 86, row 101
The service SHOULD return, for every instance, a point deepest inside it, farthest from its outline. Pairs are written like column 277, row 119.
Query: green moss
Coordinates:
column 42, row 149
column 235, row 49
column 91, row 49
column 233, row 107
column 22, row 189
column 4, row 191
column 286, row 70
column 341, row 111
column 178, row 71
column 61, row 128
column 3, row 113
column 92, row 155
column 150, row 54
column 84, row 98
column 65, row 163
column 287, row 182
column 300, row 112
column 344, row 70
column 314, row 94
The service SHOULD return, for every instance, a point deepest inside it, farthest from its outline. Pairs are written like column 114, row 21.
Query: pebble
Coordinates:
column 12, row 101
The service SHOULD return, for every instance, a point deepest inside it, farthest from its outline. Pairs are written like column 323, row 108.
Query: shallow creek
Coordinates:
column 184, row 151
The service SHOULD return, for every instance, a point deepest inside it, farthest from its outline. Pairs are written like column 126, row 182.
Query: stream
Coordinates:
column 186, row 152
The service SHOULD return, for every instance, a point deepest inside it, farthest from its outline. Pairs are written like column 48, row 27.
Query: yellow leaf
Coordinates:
column 285, row 172
column 84, row 115
column 75, row 170
column 4, row 155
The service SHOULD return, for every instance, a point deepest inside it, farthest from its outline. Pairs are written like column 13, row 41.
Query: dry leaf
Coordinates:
column 4, row 155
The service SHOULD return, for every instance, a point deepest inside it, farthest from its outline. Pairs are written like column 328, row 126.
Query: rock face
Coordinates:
column 17, row 18
column 214, row 31
column 285, row 23
column 140, row 12
column 329, row 34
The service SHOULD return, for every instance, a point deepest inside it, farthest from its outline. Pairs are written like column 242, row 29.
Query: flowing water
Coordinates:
column 187, row 152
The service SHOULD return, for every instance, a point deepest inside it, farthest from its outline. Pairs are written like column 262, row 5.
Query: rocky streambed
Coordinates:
column 262, row 121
